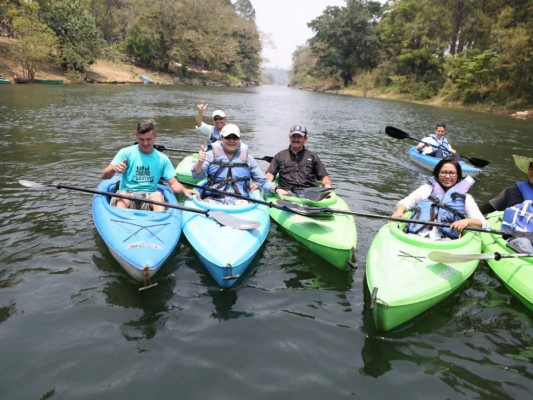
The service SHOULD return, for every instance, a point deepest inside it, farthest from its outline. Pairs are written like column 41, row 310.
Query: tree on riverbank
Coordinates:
column 460, row 50
column 173, row 36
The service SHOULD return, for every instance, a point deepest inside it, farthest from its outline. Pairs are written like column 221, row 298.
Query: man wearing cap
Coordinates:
column 211, row 131
column 229, row 167
column 297, row 166
column 515, row 194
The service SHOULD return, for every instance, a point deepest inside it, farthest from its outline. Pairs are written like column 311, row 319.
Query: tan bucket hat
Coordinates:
column 522, row 163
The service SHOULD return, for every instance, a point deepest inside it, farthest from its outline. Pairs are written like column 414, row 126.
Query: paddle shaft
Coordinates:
column 239, row 196
column 442, row 256
column 125, row 196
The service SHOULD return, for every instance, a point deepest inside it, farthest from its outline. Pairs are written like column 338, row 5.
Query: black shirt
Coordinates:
column 301, row 170
column 508, row 198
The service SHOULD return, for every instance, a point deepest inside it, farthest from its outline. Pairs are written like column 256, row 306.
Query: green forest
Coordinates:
column 464, row 51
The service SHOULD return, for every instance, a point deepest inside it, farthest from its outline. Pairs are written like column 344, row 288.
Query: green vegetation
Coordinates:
column 173, row 36
column 465, row 51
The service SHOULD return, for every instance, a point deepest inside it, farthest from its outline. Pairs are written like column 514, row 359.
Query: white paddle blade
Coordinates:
column 34, row 185
column 444, row 257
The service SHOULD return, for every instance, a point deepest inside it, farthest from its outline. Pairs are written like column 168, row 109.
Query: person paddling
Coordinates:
column 437, row 145
column 443, row 199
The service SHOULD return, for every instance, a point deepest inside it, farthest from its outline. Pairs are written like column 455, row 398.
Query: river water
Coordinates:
column 74, row 326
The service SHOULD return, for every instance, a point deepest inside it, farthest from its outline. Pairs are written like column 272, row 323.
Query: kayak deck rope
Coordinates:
column 404, row 254
column 141, row 227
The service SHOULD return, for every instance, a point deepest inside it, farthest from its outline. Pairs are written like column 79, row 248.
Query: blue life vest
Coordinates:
column 442, row 150
column 443, row 207
column 229, row 175
column 519, row 217
column 526, row 190
column 214, row 136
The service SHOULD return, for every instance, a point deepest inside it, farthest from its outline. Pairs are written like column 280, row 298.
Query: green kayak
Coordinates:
column 404, row 282
column 333, row 238
column 515, row 273
column 183, row 170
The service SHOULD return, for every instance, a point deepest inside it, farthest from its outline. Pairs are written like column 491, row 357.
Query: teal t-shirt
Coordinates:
column 144, row 170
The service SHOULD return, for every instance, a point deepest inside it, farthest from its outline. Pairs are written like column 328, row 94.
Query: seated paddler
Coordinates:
column 229, row 167
column 297, row 166
column 516, row 202
column 141, row 167
column 443, row 199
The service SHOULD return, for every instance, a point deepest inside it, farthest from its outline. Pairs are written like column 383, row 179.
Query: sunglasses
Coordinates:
column 231, row 137
column 218, row 118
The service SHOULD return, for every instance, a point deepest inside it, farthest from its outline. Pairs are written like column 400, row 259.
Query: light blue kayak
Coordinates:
column 139, row 240
column 226, row 252
column 429, row 162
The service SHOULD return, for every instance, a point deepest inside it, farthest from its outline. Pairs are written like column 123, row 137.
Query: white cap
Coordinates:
column 230, row 129
column 219, row 113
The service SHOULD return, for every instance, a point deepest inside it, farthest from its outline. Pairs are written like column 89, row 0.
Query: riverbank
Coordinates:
column 115, row 72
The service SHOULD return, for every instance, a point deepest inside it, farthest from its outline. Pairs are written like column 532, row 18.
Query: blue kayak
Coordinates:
column 429, row 162
column 225, row 251
column 139, row 240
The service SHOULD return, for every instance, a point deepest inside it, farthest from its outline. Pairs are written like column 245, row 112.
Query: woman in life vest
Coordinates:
column 443, row 199
column 229, row 167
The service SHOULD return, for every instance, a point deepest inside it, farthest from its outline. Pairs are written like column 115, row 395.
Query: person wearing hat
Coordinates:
column 297, row 166
column 229, row 167
column 515, row 194
column 211, row 131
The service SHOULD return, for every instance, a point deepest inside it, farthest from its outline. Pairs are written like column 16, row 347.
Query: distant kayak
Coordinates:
column 146, row 79
column 429, row 162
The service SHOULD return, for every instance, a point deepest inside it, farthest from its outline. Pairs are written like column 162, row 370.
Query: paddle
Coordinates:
column 444, row 257
column 160, row 147
column 250, row 199
column 221, row 217
column 322, row 212
column 399, row 134
column 312, row 193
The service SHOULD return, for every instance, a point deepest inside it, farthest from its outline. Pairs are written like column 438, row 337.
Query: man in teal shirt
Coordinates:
column 141, row 167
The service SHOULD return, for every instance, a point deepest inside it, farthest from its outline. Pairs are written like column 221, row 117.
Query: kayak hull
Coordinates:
column 140, row 241
column 403, row 282
column 226, row 252
column 429, row 162
column 334, row 238
column 183, row 169
column 515, row 273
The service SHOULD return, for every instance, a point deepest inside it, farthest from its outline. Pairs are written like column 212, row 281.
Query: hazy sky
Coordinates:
column 286, row 23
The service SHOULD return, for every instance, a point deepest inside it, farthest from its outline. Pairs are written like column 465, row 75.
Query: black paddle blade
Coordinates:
column 396, row 133
column 306, row 211
column 312, row 193
column 477, row 162
column 265, row 158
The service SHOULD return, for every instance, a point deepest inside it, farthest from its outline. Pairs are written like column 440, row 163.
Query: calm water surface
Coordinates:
column 74, row 326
